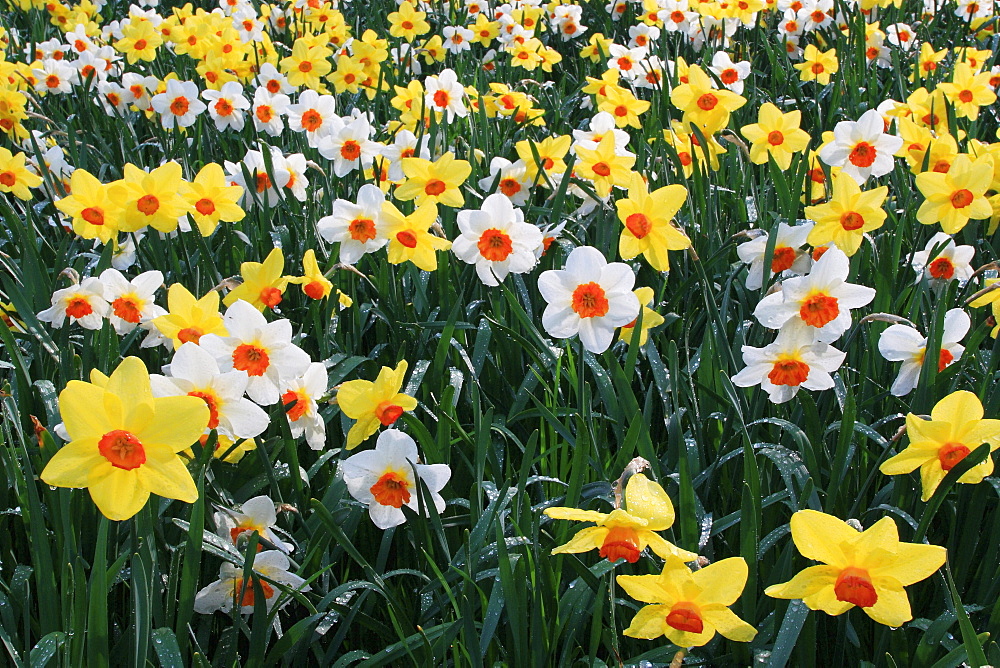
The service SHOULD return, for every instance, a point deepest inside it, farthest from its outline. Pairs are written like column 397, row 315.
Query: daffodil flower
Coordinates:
column 374, row 403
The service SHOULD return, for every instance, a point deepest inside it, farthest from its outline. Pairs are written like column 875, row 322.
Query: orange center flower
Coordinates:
column 707, row 102
column 783, row 258
column 301, row 404
column 351, row 150
column 639, row 225
column 495, row 245
column 122, row 449
column 729, row 76
column 148, row 204
column 685, row 617
column 93, row 215
column 854, row 585
column 127, row 308
column 264, row 113
column 965, row 95
column 441, row 98
column 391, row 490
column 311, row 120
column 862, row 155
column 602, row 169
column 205, row 206
column 387, row 413
column 244, row 590
column 270, row 297
column 213, row 406
column 621, row 543
column 435, row 187
column 223, row 107
column 817, row 68
column 775, row 138
column 250, row 358
column 78, row 307
column 179, row 106
column 819, row 309
column 951, row 454
column 314, row 290
column 190, row 334
column 852, row 220
column 961, row 198
column 589, row 301
column 509, row 187
column 362, row 229
column 140, row 44
column 407, row 238
column 942, row 268
column 788, row 371
column 305, row 66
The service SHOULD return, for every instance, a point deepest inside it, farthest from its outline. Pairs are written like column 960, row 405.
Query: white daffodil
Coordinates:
column 788, row 259
column 131, row 302
column 83, row 303
column 256, row 514
column 902, row 343
column 231, row 588
column 358, row 228
column 301, row 408
column 497, row 240
column 862, row 148
column 952, row 262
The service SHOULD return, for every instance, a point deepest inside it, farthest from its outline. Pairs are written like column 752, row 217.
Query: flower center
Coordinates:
column 244, row 590
column 621, row 543
column 441, row 98
column 951, row 454
column 213, row 406
column 300, row 407
column 147, row 204
column 391, row 490
column 350, row 150
column 602, row 169
column 961, row 198
column 270, row 297
column 685, row 616
column 854, row 585
column 495, row 245
column 305, row 66
column 311, row 120
column 140, row 44
column 944, row 359
column 190, row 334
column 273, row 86
column 93, row 215
column 788, row 370
column 179, row 106
column 965, row 95
column 852, row 220
column 407, row 238
column 205, row 206
column 510, row 187
column 250, row 358
column 264, row 113
column 388, row 412
column 942, row 268
column 128, row 309
column 362, row 229
column 775, row 138
column 707, row 102
column 818, row 309
column 589, row 300
column 862, row 155
column 263, row 182
column 783, row 258
column 435, row 187
column 223, row 107
column 729, row 76
column 78, row 307
column 122, row 449
column 817, row 68
column 314, row 290
column 639, row 225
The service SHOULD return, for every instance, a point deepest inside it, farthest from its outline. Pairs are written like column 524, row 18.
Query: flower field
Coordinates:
column 660, row 332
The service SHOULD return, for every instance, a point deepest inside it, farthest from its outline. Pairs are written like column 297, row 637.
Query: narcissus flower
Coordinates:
column 650, row 319
column 951, row 262
column 83, row 303
column 817, row 65
column 589, row 297
column 867, row 569
column 689, row 607
column 232, row 589
column 647, row 219
column 776, row 135
column 848, row 215
column 153, row 199
column 387, row 478
column 314, row 282
column 787, row 258
column 131, row 302
column 955, row 429
column 124, row 442
column 307, row 65
column 603, row 166
column 256, row 514
column 410, row 237
column 14, row 175
column 861, row 147
column 357, row 227
column 703, row 104
column 497, row 240
column 95, row 215
column 189, row 318
column 968, row 91
column 374, row 403
column 439, row 181
column 263, row 285
column 902, row 343
column 955, row 197
column 213, row 200
column 300, row 398
column 625, row 533
column 179, row 105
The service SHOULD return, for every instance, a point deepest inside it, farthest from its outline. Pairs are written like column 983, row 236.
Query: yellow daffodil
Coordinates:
column 650, row 319
column 928, row 61
column 968, row 91
column 957, row 196
column 624, row 107
column 124, row 442
column 992, row 298
column 689, row 608
column 777, row 135
column 867, row 569
column 439, row 182
column 153, row 198
column 624, row 534
column 140, row 41
column 551, row 153
column 702, row 104
column 603, row 166
column 408, row 23
column 189, row 319
column 817, row 65
column 94, row 214
column 374, row 403
column 647, row 219
column 314, row 283
column 213, row 200
column 14, row 175
column 410, row 238
column 955, row 429
column 307, row 65
column 263, row 285
column 848, row 215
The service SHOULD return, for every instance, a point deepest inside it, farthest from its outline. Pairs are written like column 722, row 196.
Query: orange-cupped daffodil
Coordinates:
column 374, row 403
column 263, row 285
column 647, row 219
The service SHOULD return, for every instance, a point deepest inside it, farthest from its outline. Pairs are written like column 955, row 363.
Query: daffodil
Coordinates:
column 650, row 319
column 314, row 283
column 151, row 198
column 776, row 135
column 848, row 215
column 439, row 181
column 95, row 215
column 955, row 197
column 625, row 533
column 687, row 607
column 124, row 442
column 263, row 285
column 410, row 237
column 703, row 105
column 603, row 166
column 647, row 219
column 212, row 199
column 968, row 91
column 14, row 175
column 868, row 569
column 955, row 429
column 374, row 403
column 307, row 65
column 817, row 65
column 189, row 318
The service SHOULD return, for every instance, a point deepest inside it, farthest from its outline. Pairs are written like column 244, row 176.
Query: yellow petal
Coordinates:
column 646, row 499
column 958, row 407
column 648, row 588
column 354, row 398
column 169, row 479
column 584, row 540
column 892, row 607
column 914, row 562
column 130, row 381
column 80, row 405
column 728, row 624
column 722, row 582
column 649, row 622
column 176, row 424
column 806, row 582
column 819, row 536
column 362, row 429
column 877, row 544
column 663, row 548
column 72, row 464
column 906, row 461
column 119, row 496
column 563, row 513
